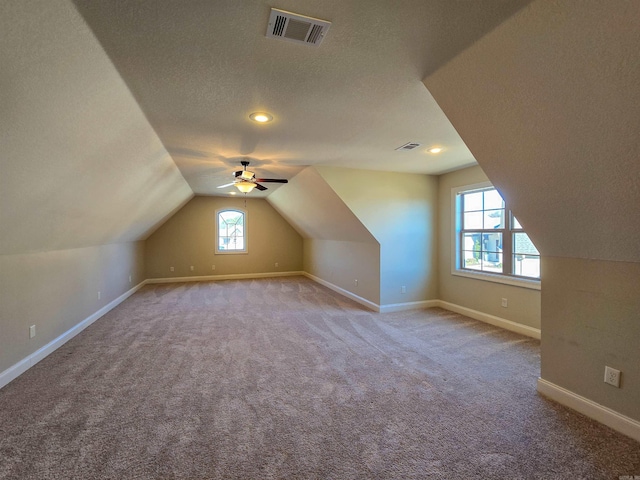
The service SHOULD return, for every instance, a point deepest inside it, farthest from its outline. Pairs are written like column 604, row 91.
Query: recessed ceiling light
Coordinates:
column 435, row 150
column 261, row 117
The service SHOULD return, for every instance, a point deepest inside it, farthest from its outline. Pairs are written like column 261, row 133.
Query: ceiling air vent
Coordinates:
column 296, row 28
column 408, row 146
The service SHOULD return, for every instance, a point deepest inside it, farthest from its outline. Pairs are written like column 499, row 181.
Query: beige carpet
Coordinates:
column 282, row 378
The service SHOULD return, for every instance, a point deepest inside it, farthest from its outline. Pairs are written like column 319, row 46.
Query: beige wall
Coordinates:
column 549, row 103
column 56, row 290
column 523, row 303
column 591, row 318
column 188, row 239
column 80, row 165
column 316, row 211
column 400, row 211
column 342, row 263
column 338, row 248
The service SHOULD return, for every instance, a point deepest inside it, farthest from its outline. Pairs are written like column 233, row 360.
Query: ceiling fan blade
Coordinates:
column 260, row 187
column 273, row 180
column 226, row 185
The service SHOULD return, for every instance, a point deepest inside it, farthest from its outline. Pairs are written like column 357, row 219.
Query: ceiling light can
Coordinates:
column 261, row 117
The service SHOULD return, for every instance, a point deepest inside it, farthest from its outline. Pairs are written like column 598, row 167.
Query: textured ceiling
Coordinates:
column 198, row 68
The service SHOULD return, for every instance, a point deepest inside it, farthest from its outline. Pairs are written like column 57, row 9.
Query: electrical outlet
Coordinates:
column 129, row 278
column 32, row 331
column 276, row 264
column 356, row 282
column 171, row 269
column 191, row 268
column 99, row 295
column 612, row 376
column 403, row 289
column 213, row 267
column 505, row 303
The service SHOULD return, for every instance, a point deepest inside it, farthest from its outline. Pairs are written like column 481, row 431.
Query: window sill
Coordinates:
column 231, row 252
column 530, row 283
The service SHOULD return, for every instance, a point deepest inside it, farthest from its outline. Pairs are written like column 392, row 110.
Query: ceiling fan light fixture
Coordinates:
column 247, row 175
column 261, row 117
column 244, row 186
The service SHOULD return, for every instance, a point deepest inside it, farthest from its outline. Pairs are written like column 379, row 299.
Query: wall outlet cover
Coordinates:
column 612, row 376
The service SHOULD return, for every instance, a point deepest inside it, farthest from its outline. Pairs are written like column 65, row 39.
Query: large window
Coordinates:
column 231, row 229
column 489, row 239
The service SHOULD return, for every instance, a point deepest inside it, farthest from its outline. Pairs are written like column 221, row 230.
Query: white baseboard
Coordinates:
column 399, row 307
column 491, row 319
column 362, row 301
column 388, row 308
column 621, row 423
column 209, row 278
column 26, row 363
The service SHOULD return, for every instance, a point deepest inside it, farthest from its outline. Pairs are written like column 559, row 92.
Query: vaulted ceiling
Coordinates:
column 116, row 113
column 199, row 68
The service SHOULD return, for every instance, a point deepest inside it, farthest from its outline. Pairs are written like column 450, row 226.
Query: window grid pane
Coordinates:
column 493, row 219
column 472, row 201
column 522, row 244
column 472, row 259
column 492, row 262
column 492, row 242
column 472, row 220
column 493, row 200
column 515, row 224
column 526, row 265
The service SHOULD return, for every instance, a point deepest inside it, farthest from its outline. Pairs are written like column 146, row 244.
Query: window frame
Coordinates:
column 245, row 234
column 456, row 241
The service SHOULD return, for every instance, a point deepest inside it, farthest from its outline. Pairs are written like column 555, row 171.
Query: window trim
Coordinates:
column 245, row 229
column 456, row 227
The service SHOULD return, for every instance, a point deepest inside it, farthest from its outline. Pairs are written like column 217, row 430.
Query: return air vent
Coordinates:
column 408, row 146
column 296, row 28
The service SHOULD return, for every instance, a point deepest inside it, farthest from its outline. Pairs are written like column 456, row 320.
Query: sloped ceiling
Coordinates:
column 549, row 104
column 79, row 163
column 314, row 209
column 198, row 68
